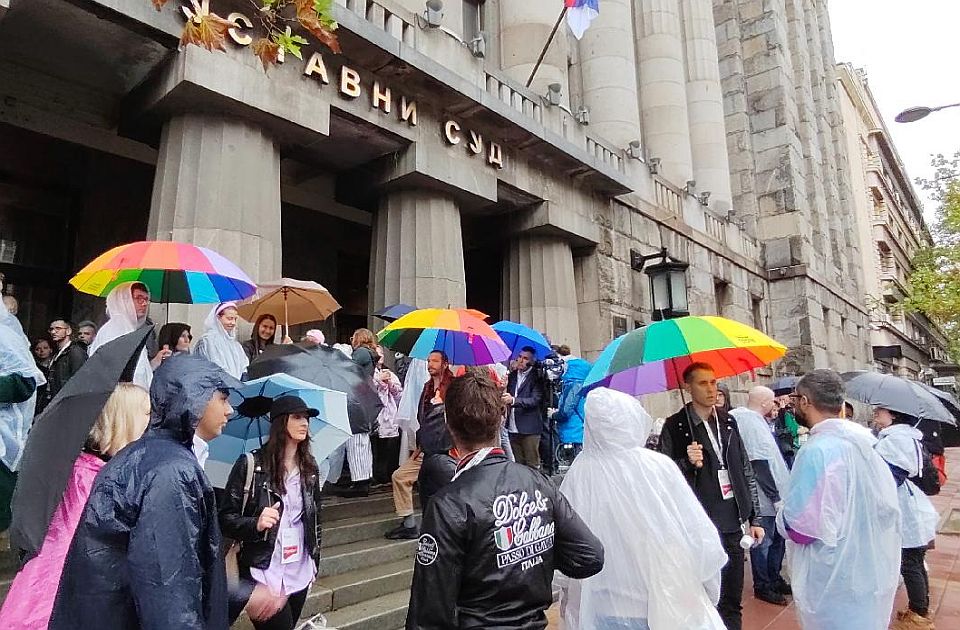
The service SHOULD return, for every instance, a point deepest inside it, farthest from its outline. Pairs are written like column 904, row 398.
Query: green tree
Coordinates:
column 935, row 280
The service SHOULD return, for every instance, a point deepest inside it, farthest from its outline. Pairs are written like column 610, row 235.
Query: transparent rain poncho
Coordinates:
column 16, row 418
column 760, row 445
column 899, row 445
column 843, row 499
column 122, row 313
column 663, row 554
column 221, row 347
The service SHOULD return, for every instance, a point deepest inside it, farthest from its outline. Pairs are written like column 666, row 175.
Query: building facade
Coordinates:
column 417, row 167
column 891, row 229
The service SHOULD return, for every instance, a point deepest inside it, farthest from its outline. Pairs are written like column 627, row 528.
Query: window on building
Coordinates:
column 474, row 18
column 757, row 309
column 721, row 295
column 619, row 326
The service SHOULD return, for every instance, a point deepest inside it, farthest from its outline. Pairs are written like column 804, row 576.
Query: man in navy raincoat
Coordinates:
column 146, row 551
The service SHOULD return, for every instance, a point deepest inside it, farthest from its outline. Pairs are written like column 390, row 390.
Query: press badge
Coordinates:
column 290, row 545
column 726, row 488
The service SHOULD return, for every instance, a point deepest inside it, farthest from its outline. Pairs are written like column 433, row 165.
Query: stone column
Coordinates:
column 524, row 29
column 539, row 288
column 217, row 185
column 608, row 62
column 663, row 90
column 708, row 136
column 418, row 251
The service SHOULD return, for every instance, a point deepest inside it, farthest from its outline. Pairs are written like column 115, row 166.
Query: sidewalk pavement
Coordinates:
column 943, row 563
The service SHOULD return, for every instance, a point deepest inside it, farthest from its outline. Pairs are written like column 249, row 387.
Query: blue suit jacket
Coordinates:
column 528, row 403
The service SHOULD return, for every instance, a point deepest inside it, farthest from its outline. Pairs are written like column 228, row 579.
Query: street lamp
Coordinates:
column 668, row 283
column 912, row 114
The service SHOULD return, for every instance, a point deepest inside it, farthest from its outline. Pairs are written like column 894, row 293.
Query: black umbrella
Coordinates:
column 59, row 433
column 784, row 385
column 326, row 367
column 950, row 435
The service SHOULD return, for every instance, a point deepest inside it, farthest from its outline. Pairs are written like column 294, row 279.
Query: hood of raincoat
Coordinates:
column 15, row 418
column 668, row 562
column 182, row 386
column 221, row 346
column 577, row 370
column 900, row 445
column 122, row 314
column 760, row 445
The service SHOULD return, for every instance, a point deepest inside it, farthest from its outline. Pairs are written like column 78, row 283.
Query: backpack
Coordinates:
column 929, row 478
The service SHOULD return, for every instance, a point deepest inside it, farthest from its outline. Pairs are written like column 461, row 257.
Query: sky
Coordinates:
column 911, row 52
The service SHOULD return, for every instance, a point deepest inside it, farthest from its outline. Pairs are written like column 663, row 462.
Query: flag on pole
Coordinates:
column 580, row 13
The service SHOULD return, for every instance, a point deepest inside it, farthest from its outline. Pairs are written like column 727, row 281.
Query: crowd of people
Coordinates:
column 140, row 538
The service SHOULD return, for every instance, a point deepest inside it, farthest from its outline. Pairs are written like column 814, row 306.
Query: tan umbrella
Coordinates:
column 299, row 301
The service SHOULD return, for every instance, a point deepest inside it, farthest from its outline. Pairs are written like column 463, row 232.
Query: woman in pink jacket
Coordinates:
column 30, row 599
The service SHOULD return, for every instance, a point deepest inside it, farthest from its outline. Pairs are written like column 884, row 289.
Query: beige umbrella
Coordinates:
column 300, row 301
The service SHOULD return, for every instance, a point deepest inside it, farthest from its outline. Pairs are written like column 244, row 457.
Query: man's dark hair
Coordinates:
column 564, row 350
column 474, row 409
column 86, row 324
column 66, row 322
column 693, row 367
column 824, row 389
column 141, row 286
column 443, row 355
column 530, row 350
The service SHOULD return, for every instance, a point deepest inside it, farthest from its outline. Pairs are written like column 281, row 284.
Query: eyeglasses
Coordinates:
column 141, row 299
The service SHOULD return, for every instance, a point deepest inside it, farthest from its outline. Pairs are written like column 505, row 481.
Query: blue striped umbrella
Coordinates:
column 249, row 428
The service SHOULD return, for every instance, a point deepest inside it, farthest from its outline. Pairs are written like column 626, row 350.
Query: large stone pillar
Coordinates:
column 539, row 288
column 708, row 136
column 217, row 185
column 608, row 62
column 524, row 29
column 418, row 251
column 663, row 89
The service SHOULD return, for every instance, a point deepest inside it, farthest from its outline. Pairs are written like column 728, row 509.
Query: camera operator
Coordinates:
column 551, row 371
column 525, row 397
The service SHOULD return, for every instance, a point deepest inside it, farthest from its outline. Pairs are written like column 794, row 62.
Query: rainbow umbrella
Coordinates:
column 652, row 358
column 518, row 336
column 464, row 338
column 177, row 273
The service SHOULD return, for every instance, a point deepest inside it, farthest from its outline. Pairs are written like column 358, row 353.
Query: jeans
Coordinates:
column 766, row 559
column 915, row 579
column 621, row 623
column 731, row 582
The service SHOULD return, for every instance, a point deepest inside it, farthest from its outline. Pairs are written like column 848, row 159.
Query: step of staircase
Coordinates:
column 365, row 553
column 380, row 613
column 348, row 530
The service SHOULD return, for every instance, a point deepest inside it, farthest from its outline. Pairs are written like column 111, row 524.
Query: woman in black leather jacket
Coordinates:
column 279, row 527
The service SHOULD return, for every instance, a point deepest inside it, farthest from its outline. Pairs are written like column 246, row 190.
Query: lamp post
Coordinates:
column 668, row 283
column 912, row 114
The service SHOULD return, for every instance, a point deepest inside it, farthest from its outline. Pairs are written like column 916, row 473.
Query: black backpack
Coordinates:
column 929, row 478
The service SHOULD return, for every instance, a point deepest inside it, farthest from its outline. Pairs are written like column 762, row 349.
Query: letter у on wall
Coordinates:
column 351, row 86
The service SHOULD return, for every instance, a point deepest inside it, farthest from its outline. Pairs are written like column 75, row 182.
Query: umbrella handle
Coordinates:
column 286, row 313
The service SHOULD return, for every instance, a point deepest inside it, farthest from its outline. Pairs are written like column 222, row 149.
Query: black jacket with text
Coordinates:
column 489, row 544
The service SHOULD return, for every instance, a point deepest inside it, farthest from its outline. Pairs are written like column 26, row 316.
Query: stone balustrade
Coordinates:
column 377, row 14
column 668, row 197
column 715, row 226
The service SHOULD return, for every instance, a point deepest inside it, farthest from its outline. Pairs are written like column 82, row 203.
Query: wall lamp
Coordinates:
column 668, row 283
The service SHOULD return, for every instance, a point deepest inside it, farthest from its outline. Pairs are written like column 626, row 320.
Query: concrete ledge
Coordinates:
column 550, row 218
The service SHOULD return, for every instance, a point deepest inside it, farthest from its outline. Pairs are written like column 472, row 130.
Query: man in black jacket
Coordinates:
column 492, row 538
column 705, row 443
column 70, row 356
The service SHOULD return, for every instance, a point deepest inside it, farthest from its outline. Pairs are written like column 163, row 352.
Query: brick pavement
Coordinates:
column 943, row 563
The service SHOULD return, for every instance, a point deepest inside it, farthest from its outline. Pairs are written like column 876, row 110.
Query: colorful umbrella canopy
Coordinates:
column 249, row 427
column 518, row 336
column 298, row 301
column 465, row 339
column 177, row 273
column 652, row 358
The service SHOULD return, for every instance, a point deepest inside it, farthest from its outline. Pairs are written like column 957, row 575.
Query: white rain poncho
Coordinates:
column 899, row 445
column 843, row 500
column 760, row 445
column 221, row 347
column 122, row 314
column 664, row 554
column 409, row 406
column 16, row 418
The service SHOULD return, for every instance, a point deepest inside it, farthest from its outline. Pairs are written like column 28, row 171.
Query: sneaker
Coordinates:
column 909, row 620
column 771, row 597
column 402, row 533
column 783, row 588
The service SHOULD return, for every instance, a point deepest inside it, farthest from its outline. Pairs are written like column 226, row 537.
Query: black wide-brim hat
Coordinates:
column 286, row 405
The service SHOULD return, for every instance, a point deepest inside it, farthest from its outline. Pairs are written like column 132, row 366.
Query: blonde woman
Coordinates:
column 30, row 600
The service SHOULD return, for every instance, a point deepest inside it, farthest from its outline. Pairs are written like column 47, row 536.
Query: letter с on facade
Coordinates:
column 349, row 86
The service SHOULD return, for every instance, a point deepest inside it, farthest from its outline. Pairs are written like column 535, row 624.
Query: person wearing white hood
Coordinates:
column 665, row 572
column 219, row 342
column 770, row 471
column 127, row 306
column 899, row 445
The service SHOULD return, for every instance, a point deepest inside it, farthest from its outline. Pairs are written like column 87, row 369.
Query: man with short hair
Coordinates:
column 705, row 443
column 86, row 332
column 68, row 358
column 772, row 476
column 525, row 419
column 432, row 431
column 841, row 516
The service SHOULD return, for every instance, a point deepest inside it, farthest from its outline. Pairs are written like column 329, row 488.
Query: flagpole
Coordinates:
column 543, row 53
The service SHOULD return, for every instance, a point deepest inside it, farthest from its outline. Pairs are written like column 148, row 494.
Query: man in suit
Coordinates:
column 524, row 400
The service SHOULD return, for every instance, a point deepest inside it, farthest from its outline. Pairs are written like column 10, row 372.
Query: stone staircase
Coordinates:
column 364, row 579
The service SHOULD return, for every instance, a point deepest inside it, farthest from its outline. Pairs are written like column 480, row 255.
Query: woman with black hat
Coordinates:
column 274, row 514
